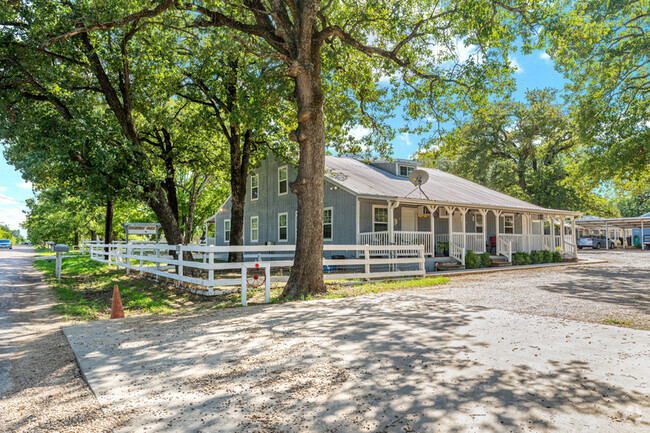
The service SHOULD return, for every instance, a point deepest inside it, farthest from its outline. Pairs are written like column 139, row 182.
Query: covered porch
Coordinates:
column 447, row 230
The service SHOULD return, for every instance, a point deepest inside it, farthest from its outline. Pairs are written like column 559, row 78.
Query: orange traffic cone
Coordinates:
column 116, row 306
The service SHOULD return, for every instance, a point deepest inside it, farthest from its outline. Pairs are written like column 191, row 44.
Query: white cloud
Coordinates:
column 515, row 64
column 545, row 57
column 3, row 188
column 359, row 131
column 405, row 139
column 25, row 185
column 12, row 217
column 6, row 200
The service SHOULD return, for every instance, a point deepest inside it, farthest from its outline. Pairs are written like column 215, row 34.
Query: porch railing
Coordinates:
column 504, row 248
column 398, row 238
column 457, row 252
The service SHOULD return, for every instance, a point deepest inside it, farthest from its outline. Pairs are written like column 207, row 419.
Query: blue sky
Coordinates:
column 533, row 71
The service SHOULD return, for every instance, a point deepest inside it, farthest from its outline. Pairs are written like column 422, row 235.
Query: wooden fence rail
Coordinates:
column 340, row 262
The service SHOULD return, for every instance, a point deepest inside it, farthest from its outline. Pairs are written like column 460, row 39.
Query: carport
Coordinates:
column 625, row 224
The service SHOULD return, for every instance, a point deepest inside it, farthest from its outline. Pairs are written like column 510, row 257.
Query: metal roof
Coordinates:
column 442, row 188
column 614, row 223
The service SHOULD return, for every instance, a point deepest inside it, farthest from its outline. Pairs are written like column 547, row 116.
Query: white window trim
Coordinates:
column 504, row 223
column 286, row 215
column 399, row 169
column 331, row 208
column 228, row 231
column 374, row 206
column 257, row 176
column 285, row 167
column 257, row 218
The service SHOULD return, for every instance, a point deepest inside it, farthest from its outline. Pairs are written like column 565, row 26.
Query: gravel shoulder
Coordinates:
column 43, row 389
column 616, row 292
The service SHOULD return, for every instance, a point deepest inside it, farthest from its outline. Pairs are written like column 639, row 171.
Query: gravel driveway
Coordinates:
column 41, row 389
column 381, row 363
column 617, row 290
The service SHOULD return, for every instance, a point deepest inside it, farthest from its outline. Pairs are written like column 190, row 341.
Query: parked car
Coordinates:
column 6, row 243
column 596, row 242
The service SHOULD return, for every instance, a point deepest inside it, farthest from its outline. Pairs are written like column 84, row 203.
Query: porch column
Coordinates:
column 450, row 211
column 391, row 226
column 607, row 236
column 497, row 215
column 463, row 212
column 530, row 232
column 432, row 218
column 642, row 243
column 357, row 220
column 483, row 213
column 573, row 233
column 562, row 247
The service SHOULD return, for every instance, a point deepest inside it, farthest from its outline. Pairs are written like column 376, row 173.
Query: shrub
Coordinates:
column 472, row 260
column 486, row 260
column 548, row 256
column 536, row 257
column 557, row 257
column 521, row 258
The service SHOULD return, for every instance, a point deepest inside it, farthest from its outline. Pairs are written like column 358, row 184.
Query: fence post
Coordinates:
column 422, row 262
column 179, row 257
column 210, row 272
column 267, row 283
column 243, row 285
column 157, row 260
column 127, row 259
column 141, row 261
column 366, row 252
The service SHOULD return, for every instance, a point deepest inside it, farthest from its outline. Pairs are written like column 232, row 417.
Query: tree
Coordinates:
column 634, row 205
column 522, row 149
column 306, row 36
column 604, row 50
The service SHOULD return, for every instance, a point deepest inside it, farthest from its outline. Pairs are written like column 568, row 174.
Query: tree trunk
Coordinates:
column 307, row 271
column 108, row 225
column 239, row 164
column 76, row 237
column 167, row 220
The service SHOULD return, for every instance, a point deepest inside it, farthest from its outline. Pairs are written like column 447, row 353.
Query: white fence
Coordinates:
column 400, row 238
column 211, row 271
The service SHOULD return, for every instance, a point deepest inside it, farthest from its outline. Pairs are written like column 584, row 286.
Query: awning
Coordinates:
column 613, row 223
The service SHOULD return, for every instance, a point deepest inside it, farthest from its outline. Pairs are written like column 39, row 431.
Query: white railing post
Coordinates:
column 243, row 285
column 366, row 257
column 157, row 247
column 267, row 283
column 211, row 271
column 179, row 257
column 141, row 260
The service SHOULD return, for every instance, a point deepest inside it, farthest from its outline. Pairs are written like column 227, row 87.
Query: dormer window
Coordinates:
column 405, row 170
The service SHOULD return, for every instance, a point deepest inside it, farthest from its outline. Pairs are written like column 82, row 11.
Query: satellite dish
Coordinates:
column 418, row 177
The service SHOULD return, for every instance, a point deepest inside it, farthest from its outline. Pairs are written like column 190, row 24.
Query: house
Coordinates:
column 376, row 204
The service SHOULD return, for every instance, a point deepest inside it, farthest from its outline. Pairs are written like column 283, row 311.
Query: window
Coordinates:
column 405, row 170
column 478, row 222
column 380, row 218
column 282, row 227
column 508, row 224
column 255, row 187
column 328, row 214
column 226, row 230
column 255, row 229
column 283, row 183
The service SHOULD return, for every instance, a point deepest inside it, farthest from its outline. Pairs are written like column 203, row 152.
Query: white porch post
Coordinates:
column 642, row 243
column 573, row 233
column 497, row 215
column 607, row 236
column 483, row 213
column 357, row 220
column 390, row 223
column 450, row 212
column 432, row 209
column 463, row 212
column 530, row 232
column 562, row 247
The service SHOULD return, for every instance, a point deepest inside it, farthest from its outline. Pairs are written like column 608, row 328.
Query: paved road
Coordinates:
column 16, row 277
column 41, row 389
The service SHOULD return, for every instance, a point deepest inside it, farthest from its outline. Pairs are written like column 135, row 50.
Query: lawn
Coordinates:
column 86, row 287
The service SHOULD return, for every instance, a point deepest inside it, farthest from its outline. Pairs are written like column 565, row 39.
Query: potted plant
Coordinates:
column 444, row 247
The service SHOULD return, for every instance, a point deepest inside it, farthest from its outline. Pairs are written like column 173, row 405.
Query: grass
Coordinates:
column 617, row 322
column 86, row 288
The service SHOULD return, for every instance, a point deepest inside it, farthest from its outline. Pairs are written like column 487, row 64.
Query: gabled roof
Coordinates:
column 442, row 188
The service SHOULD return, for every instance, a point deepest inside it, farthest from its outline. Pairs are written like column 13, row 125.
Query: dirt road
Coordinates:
column 40, row 384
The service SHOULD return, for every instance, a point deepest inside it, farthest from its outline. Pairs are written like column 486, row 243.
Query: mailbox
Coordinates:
column 60, row 248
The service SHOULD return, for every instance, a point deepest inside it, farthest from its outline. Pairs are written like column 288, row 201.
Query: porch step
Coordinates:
column 499, row 261
column 449, row 266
